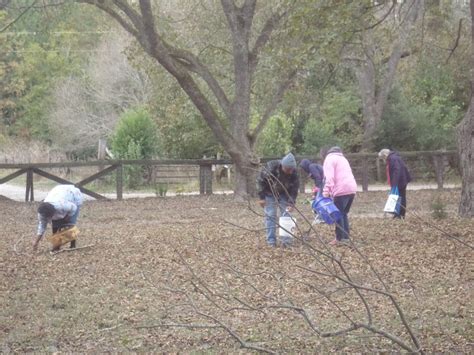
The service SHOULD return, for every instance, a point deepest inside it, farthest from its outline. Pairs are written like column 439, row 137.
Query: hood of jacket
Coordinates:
column 304, row 164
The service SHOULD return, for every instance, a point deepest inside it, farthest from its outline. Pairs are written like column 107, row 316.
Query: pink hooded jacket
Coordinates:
column 338, row 174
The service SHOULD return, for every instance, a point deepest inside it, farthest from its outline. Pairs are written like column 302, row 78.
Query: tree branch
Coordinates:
column 274, row 102
column 191, row 62
column 18, row 17
column 396, row 55
column 394, row 3
column 179, row 325
column 456, row 42
column 115, row 15
column 239, row 19
column 149, row 25
column 263, row 39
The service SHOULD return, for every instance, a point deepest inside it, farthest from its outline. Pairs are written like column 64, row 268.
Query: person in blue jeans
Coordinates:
column 277, row 188
column 60, row 207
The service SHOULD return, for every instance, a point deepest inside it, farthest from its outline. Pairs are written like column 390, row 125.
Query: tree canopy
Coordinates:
column 248, row 78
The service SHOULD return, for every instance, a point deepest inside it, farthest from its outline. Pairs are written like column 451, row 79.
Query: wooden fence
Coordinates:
column 366, row 166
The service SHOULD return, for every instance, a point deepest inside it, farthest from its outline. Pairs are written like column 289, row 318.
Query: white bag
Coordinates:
column 287, row 228
column 392, row 205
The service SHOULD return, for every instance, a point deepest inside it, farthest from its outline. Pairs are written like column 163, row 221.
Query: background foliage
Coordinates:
column 57, row 75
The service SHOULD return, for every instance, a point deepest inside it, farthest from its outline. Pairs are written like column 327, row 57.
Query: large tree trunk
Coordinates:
column 366, row 75
column 466, row 159
column 229, row 118
column 374, row 88
column 466, row 142
column 246, row 169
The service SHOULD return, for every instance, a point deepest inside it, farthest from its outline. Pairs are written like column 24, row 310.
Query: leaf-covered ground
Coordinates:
column 183, row 273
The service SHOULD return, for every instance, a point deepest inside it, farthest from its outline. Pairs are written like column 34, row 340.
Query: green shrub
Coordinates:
column 133, row 173
column 137, row 130
column 135, row 138
column 339, row 122
column 275, row 139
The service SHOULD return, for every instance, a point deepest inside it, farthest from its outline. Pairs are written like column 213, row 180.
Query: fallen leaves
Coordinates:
column 153, row 258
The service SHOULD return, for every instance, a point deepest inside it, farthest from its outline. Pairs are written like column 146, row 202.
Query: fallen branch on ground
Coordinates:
column 71, row 249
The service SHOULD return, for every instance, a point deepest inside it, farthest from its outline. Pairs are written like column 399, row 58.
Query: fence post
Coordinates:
column 119, row 181
column 29, row 194
column 101, row 153
column 303, row 178
column 205, row 179
column 379, row 169
column 365, row 175
column 438, row 163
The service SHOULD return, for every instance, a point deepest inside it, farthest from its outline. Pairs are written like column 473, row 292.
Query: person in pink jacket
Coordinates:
column 340, row 185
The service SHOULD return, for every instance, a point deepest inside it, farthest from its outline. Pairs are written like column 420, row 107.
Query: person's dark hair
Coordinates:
column 304, row 165
column 46, row 209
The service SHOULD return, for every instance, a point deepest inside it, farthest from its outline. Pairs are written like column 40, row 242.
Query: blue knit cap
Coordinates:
column 289, row 161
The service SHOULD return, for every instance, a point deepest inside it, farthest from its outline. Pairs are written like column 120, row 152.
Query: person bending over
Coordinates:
column 60, row 207
column 277, row 187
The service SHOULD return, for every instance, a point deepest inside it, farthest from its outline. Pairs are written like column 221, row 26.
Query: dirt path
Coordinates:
column 17, row 193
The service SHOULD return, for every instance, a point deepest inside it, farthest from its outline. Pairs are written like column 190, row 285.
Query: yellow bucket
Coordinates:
column 63, row 236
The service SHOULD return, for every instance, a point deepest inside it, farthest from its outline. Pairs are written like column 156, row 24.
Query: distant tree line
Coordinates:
column 362, row 75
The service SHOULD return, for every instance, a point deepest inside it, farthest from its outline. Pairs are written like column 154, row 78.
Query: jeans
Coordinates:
column 271, row 219
column 343, row 203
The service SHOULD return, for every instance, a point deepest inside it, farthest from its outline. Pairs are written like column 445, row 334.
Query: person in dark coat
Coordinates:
column 277, row 187
column 397, row 176
column 315, row 172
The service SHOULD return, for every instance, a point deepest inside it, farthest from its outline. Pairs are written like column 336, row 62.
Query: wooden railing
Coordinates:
column 107, row 167
column 366, row 166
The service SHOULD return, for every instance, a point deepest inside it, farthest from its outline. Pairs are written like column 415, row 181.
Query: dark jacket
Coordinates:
column 273, row 181
column 315, row 172
column 398, row 174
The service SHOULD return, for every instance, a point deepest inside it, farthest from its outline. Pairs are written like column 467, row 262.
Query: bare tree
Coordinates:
column 87, row 108
column 228, row 116
column 23, row 151
column 466, row 142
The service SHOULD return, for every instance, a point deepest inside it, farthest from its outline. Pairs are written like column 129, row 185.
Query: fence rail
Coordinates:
column 366, row 166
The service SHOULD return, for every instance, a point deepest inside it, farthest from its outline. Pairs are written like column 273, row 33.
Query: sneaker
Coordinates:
column 345, row 241
column 333, row 242
column 272, row 245
column 317, row 220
